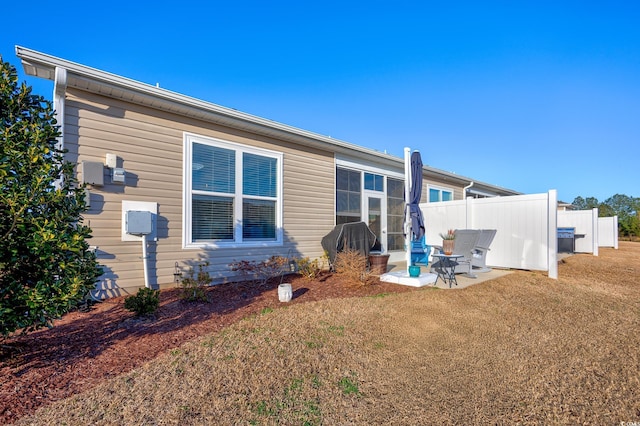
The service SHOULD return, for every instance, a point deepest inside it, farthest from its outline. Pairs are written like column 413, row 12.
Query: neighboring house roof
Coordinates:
column 100, row 82
column 563, row 205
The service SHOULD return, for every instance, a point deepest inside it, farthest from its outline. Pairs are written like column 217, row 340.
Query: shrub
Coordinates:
column 309, row 269
column 194, row 285
column 46, row 268
column 352, row 266
column 263, row 270
column 145, row 302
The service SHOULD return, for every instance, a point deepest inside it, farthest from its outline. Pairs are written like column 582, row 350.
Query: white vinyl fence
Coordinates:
column 526, row 225
column 585, row 223
column 592, row 231
column 608, row 232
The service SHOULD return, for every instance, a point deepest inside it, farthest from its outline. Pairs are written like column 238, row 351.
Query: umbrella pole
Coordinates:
column 407, row 213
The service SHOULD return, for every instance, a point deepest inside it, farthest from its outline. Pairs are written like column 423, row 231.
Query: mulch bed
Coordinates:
column 85, row 348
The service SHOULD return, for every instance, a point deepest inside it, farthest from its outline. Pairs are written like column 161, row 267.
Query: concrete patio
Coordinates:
column 462, row 279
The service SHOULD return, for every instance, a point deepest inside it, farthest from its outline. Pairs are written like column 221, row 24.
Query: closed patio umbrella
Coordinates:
column 415, row 193
column 412, row 192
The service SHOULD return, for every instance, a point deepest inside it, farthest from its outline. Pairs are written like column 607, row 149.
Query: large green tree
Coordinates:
column 627, row 210
column 45, row 265
column 625, row 207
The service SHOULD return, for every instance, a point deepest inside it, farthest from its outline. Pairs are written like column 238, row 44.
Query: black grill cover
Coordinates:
column 353, row 236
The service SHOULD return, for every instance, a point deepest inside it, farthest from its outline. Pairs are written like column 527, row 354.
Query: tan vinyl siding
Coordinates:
column 149, row 146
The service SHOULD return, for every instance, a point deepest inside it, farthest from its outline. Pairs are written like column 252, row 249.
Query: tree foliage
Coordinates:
column 45, row 265
column 626, row 208
column 585, row 204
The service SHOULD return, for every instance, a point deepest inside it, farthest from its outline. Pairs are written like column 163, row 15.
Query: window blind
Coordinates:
column 213, row 169
column 259, row 175
column 212, row 218
column 258, row 219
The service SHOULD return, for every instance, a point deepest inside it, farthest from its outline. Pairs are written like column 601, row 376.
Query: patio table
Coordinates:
column 446, row 267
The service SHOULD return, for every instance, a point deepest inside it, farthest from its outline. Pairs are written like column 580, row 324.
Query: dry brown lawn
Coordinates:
column 521, row 349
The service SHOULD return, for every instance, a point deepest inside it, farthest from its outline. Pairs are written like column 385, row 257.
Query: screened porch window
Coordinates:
column 348, row 196
column 395, row 214
column 233, row 193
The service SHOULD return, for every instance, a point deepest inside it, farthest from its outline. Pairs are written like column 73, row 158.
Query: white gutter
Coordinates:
column 464, row 193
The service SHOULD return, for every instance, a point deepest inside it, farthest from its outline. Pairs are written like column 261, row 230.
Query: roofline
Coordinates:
column 43, row 65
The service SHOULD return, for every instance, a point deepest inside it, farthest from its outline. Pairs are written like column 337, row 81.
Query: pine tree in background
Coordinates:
column 45, row 265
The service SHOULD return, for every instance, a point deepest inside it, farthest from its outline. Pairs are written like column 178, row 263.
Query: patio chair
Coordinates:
column 479, row 262
column 465, row 241
column 420, row 252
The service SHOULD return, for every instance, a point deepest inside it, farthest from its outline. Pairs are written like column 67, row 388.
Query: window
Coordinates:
column 373, row 182
column 440, row 194
column 348, row 196
column 232, row 194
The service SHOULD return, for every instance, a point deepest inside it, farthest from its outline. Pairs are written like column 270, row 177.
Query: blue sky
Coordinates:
column 530, row 96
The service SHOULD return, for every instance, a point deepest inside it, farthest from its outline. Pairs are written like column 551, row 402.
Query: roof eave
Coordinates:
column 42, row 65
column 91, row 79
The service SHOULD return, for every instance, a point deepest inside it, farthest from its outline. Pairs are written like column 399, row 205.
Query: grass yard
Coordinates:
column 521, row 349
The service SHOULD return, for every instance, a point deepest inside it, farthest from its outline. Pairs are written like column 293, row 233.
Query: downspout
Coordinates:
column 464, row 195
column 59, row 91
column 145, row 262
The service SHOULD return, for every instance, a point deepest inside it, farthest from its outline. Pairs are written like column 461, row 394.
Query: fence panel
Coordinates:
column 442, row 216
column 525, row 224
column 608, row 231
column 586, row 224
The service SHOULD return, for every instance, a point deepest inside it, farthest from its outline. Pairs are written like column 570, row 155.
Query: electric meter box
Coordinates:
column 138, row 222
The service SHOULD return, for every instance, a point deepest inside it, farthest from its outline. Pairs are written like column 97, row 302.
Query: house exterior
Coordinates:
column 564, row 206
column 219, row 185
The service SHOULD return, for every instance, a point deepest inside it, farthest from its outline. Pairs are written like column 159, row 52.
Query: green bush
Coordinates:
column 194, row 285
column 145, row 302
column 46, row 267
column 309, row 269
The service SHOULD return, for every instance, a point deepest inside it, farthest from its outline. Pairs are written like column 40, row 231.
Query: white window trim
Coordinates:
column 439, row 188
column 187, row 243
column 354, row 165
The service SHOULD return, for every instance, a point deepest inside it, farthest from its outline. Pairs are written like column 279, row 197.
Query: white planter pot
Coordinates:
column 285, row 293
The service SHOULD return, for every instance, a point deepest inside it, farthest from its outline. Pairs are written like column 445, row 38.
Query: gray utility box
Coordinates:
column 93, row 173
column 138, row 222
